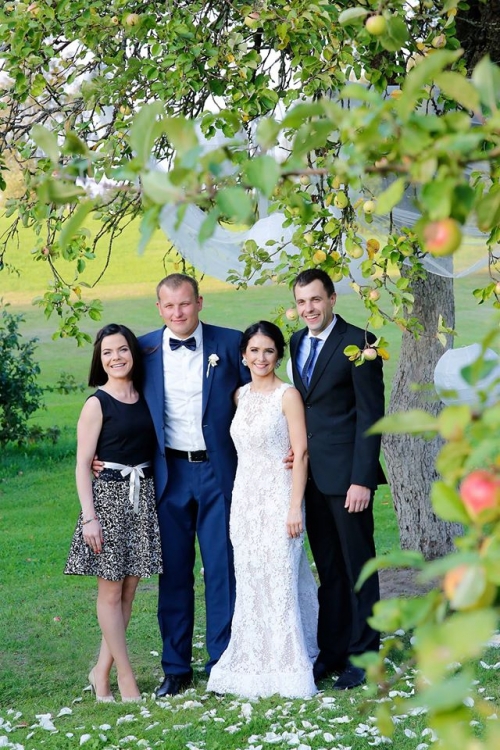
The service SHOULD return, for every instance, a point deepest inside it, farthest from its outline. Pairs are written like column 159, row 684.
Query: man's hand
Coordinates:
column 288, row 460
column 96, row 467
column 357, row 498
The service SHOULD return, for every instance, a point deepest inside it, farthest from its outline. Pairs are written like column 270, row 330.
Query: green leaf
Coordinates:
column 488, row 209
column 144, row 131
column 453, row 420
column 47, row 141
column 396, row 35
column 234, row 203
column 181, row 133
column 390, row 197
column 352, row 14
column 447, row 503
column 441, row 644
column 73, row 224
column 149, row 224
column 208, row 225
column 457, row 87
column 420, row 76
column 396, row 559
column 262, row 172
column 486, row 78
column 158, row 188
column 413, row 422
column 62, row 191
column 267, row 132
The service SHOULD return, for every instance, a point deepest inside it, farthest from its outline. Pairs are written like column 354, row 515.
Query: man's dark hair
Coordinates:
column 314, row 274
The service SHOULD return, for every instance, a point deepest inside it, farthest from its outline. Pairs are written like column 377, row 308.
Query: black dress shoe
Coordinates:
column 351, row 677
column 322, row 670
column 173, row 684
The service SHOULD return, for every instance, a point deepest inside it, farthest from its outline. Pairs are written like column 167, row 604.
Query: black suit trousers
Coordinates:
column 341, row 543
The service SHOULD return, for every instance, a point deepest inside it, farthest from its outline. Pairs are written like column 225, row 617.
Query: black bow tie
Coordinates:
column 189, row 343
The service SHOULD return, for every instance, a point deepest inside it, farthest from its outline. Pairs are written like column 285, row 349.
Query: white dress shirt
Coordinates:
column 183, row 376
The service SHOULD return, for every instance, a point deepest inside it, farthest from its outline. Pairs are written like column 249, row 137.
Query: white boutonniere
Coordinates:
column 212, row 362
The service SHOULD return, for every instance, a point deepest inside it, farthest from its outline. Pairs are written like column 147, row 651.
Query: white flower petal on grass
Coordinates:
column 328, row 737
column 45, row 722
column 64, row 712
column 85, row 738
column 69, row 735
column 152, row 726
column 410, row 733
column 128, row 738
column 104, row 727
column 192, row 704
column 469, row 701
column 154, row 653
column 429, row 733
column 422, row 746
column 490, row 666
column 246, row 711
column 232, row 729
column 341, row 720
column 304, row 747
column 180, row 727
column 125, row 719
column 30, row 735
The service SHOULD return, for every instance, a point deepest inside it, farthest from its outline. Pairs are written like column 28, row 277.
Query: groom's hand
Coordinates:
column 288, row 460
column 96, row 467
column 357, row 498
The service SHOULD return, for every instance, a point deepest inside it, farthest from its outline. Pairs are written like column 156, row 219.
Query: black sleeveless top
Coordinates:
column 127, row 434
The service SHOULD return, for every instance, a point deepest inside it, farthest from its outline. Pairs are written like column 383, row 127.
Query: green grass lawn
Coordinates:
column 48, row 629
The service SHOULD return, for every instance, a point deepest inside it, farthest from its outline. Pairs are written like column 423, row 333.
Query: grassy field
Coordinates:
column 48, row 630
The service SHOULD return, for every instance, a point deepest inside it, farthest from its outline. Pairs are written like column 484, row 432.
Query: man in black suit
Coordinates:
column 342, row 401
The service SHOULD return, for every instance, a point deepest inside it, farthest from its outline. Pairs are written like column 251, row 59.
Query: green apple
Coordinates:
column 319, row 256
column 376, row 25
column 369, row 207
column 341, row 200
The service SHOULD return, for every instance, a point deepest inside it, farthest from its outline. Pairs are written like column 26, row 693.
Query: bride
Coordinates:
column 273, row 636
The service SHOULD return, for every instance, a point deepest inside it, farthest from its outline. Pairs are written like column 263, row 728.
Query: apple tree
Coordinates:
column 371, row 104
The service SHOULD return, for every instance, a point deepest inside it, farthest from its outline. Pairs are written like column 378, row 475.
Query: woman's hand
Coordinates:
column 294, row 523
column 92, row 535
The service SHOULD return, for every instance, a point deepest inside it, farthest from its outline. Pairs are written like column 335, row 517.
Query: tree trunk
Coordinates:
column 410, row 460
column 478, row 28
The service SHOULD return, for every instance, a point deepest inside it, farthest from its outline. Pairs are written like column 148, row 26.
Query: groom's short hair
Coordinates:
column 175, row 280
column 314, row 274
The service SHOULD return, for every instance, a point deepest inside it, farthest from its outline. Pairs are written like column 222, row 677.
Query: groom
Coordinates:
column 191, row 371
column 341, row 402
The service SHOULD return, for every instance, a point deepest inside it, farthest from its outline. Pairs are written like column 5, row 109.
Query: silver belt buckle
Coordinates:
column 193, row 460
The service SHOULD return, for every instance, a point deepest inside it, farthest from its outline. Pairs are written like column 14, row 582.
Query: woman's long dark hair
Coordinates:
column 97, row 376
column 266, row 329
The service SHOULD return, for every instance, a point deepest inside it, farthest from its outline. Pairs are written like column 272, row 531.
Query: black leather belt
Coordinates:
column 194, row 457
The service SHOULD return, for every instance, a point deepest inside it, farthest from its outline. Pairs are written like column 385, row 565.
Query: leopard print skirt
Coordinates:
column 131, row 540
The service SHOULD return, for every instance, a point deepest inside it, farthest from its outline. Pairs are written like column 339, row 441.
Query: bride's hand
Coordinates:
column 294, row 523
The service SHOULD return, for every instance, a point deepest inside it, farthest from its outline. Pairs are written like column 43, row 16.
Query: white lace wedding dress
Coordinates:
column 273, row 639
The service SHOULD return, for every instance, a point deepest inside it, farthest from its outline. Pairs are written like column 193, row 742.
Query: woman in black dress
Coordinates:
column 116, row 537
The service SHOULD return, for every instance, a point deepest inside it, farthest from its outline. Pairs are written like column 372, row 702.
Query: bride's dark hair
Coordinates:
column 266, row 328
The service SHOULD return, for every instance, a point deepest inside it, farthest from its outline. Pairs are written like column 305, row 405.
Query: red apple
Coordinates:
column 442, row 237
column 480, row 492
column 374, row 295
column 291, row 313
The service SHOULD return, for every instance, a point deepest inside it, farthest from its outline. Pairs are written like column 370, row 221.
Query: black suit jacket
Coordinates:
column 341, row 403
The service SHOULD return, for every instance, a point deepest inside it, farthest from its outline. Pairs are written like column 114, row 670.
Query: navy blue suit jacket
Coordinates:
column 218, row 405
